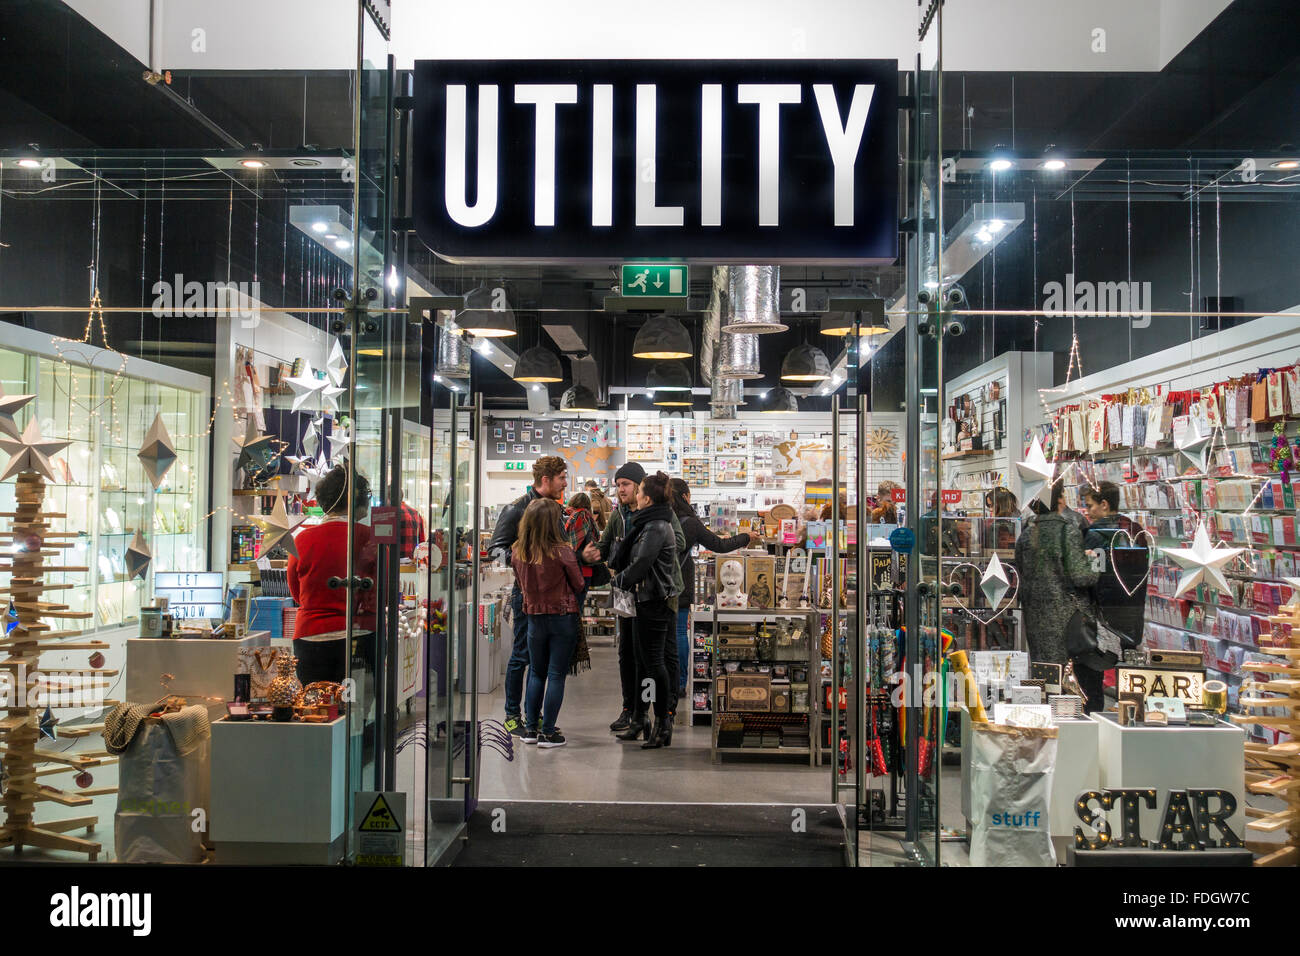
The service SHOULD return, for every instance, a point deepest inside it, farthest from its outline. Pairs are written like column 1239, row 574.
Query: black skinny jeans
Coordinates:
column 654, row 621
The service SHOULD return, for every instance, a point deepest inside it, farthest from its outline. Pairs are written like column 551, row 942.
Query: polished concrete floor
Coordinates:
column 594, row 766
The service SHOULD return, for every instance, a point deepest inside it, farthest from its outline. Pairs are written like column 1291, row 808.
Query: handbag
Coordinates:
column 1091, row 642
column 624, row 602
column 600, row 575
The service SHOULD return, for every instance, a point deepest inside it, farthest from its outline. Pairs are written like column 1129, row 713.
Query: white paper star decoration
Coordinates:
column 994, row 583
column 9, row 404
column 255, row 450
column 1193, row 444
column 336, row 366
column 339, row 440
column 157, row 454
column 305, row 384
column 1202, row 563
column 30, row 452
column 1036, row 474
column 329, row 397
column 279, row 528
column 138, row 556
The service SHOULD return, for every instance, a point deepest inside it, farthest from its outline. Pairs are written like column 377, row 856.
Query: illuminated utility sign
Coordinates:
column 728, row 161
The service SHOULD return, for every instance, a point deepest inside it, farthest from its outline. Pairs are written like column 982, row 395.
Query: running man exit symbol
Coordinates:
column 647, row 279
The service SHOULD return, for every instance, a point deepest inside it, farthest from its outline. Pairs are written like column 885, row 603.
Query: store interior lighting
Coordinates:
column 330, row 227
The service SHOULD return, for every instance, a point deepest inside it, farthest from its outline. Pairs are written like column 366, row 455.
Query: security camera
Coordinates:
column 954, row 326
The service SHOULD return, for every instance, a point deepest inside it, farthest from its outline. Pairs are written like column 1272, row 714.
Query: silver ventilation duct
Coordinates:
column 754, row 300
column 727, row 391
column 723, row 413
column 453, row 351
column 712, row 329
column 738, row 356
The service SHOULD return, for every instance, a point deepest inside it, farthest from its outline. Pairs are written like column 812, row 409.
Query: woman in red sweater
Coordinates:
column 547, row 571
column 319, row 640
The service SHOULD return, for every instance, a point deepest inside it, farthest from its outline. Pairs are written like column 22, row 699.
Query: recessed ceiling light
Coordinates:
column 996, row 225
column 342, row 244
column 331, row 235
column 252, row 163
column 1052, row 165
column 1000, row 165
column 319, row 227
column 983, row 236
column 29, row 163
column 1286, row 164
column 304, row 162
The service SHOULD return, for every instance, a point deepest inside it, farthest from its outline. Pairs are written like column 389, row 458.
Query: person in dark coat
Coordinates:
column 1055, row 577
column 696, row 533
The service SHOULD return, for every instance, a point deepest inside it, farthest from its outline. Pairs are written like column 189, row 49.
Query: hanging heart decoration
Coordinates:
column 1008, row 599
column 1132, row 543
column 87, row 353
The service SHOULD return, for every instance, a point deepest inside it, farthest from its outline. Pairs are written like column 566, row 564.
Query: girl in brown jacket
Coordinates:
column 548, row 575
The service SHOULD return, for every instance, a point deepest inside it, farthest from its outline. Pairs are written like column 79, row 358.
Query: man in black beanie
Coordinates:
column 627, row 480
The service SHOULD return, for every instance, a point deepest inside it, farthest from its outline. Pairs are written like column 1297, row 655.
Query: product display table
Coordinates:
column 202, row 669
column 1076, row 770
column 1173, row 758
column 278, row 792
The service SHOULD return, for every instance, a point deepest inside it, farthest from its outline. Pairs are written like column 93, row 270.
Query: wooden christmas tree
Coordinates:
column 30, row 690
column 1275, row 769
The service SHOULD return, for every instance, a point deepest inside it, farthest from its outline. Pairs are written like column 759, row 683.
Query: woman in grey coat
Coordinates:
column 1055, row 575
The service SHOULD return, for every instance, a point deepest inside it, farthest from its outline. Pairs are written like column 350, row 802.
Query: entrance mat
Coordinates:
column 509, row 833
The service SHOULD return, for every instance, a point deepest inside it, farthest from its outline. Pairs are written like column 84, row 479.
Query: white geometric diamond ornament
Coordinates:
column 994, row 583
column 157, row 454
column 1036, row 474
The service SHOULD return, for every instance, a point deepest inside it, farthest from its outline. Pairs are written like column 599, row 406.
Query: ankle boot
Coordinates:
column 623, row 722
column 668, row 730
column 656, row 740
column 636, row 728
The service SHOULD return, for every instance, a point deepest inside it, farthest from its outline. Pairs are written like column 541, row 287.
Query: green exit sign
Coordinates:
column 654, row 279
column 517, row 466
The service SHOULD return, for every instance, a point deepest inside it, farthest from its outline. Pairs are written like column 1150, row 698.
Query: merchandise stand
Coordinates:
column 752, row 725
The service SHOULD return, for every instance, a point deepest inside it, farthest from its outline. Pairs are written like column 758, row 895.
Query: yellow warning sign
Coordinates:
column 379, row 818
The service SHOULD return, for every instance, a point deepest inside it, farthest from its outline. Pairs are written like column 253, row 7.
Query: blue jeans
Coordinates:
column 551, row 640
column 683, row 646
column 518, row 654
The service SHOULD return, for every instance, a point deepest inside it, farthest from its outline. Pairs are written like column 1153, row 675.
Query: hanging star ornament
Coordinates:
column 994, row 583
column 49, row 724
column 256, row 451
column 339, row 440
column 305, row 384
column 1036, row 474
column 31, row 452
column 336, row 366
column 278, row 528
column 9, row 404
column 157, row 454
column 138, row 557
column 1194, row 443
column 329, row 397
column 1202, row 563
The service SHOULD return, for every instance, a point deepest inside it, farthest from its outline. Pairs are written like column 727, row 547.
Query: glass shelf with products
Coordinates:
column 100, row 484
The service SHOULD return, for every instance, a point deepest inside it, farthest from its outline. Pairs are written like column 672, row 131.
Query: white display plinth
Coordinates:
column 202, row 669
column 1172, row 758
column 1076, row 769
column 278, row 792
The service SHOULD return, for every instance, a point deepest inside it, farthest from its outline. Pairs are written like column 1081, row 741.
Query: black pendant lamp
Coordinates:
column 578, row 399
column 872, row 321
column 487, row 314
column 663, row 337
column 781, row 401
column 669, row 377
column 807, row 363
column 538, row 364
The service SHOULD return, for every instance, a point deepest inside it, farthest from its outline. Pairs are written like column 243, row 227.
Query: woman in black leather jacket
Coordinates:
column 645, row 560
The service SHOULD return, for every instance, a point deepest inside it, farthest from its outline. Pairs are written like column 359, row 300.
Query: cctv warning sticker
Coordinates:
column 379, row 818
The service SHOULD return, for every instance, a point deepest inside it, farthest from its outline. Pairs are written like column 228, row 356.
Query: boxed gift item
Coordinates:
column 749, row 692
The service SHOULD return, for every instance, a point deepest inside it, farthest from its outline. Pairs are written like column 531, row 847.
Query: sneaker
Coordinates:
column 530, row 735
column 550, row 740
column 515, row 726
column 624, row 721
